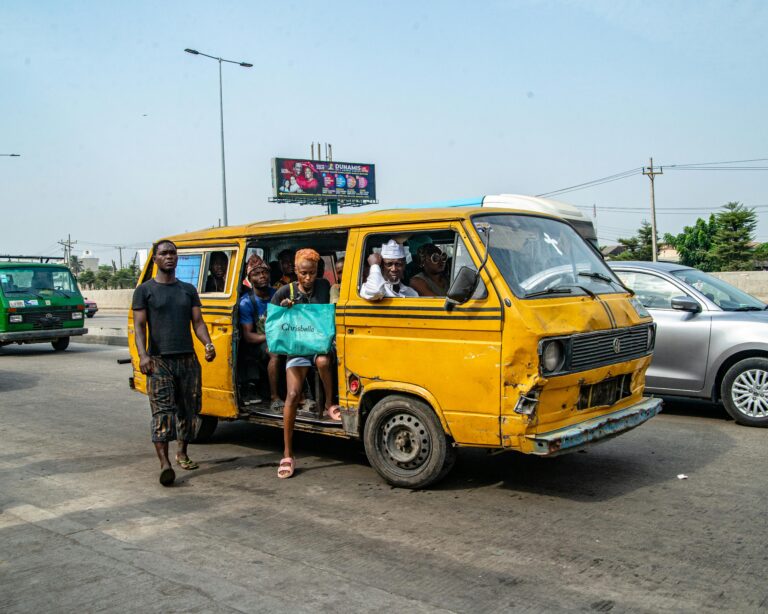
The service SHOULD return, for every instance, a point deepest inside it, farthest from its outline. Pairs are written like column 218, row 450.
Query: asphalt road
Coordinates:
column 84, row 525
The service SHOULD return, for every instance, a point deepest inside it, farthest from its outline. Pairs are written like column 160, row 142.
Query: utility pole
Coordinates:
column 120, row 249
column 67, row 245
column 651, row 174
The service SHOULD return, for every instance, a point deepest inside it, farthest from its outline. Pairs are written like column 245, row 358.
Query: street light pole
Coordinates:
column 221, row 113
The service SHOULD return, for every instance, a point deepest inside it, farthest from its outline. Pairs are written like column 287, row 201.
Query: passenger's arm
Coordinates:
column 421, row 287
column 373, row 288
column 251, row 336
column 140, row 338
column 201, row 332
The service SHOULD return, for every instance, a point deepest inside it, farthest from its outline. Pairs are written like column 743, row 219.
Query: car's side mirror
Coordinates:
column 686, row 303
column 462, row 288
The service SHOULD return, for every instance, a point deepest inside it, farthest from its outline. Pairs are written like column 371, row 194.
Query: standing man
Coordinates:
column 167, row 306
column 253, row 314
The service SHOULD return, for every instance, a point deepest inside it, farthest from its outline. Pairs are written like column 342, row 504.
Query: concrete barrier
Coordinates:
column 110, row 299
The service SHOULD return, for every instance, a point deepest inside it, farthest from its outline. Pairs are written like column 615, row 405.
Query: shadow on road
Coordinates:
column 15, row 380
column 640, row 459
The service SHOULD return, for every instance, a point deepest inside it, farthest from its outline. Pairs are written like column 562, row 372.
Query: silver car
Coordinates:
column 711, row 338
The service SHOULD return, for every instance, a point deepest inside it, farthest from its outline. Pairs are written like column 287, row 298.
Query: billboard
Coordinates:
column 299, row 179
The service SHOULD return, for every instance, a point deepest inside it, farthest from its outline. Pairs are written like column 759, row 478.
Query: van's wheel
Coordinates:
column 61, row 344
column 406, row 444
column 745, row 392
column 204, row 428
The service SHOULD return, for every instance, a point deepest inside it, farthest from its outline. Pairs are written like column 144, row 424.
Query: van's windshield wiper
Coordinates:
column 555, row 290
column 605, row 278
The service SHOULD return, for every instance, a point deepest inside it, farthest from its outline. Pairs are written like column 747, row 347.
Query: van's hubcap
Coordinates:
column 405, row 441
column 750, row 393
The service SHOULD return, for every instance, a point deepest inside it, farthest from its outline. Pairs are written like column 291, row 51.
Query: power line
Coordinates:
column 594, row 182
column 715, row 163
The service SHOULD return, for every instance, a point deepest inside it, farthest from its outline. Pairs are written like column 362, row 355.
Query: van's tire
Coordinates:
column 204, row 428
column 406, row 444
column 61, row 344
column 745, row 392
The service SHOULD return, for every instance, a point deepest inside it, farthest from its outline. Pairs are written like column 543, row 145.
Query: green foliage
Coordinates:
column 735, row 229
column 639, row 247
column 75, row 265
column 107, row 278
column 694, row 244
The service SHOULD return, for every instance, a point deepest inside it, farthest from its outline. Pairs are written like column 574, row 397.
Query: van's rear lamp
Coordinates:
column 76, row 315
column 552, row 356
column 16, row 318
column 354, row 385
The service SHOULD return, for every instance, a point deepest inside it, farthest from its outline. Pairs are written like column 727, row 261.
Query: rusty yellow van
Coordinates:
column 537, row 347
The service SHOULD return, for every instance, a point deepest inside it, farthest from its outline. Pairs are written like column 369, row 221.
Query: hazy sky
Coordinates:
column 118, row 128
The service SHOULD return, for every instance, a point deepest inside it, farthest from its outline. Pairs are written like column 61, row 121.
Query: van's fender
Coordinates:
column 406, row 388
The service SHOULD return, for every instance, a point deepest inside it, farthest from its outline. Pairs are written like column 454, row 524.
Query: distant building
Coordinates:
column 89, row 261
column 667, row 253
column 611, row 251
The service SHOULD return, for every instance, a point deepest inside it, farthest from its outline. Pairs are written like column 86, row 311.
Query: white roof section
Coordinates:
column 535, row 203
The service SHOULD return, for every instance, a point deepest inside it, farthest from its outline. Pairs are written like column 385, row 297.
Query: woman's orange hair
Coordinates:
column 306, row 254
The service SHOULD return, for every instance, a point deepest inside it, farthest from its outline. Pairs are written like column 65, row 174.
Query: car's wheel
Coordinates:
column 745, row 392
column 406, row 444
column 89, row 315
column 61, row 344
column 204, row 428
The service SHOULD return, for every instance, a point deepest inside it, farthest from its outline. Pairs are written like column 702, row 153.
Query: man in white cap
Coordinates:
column 386, row 283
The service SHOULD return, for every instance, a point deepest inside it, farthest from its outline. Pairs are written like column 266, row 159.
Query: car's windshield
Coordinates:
column 541, row 257
column 36, row 280
column 722, row 294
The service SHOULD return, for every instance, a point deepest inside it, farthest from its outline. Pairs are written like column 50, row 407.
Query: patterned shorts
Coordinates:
column 175, row 393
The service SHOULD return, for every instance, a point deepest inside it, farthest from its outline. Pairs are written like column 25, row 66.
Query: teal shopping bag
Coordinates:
column 301, row 330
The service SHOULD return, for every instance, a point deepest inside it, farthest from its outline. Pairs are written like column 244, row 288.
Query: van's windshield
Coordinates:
column 22, row 280
column 543, row 257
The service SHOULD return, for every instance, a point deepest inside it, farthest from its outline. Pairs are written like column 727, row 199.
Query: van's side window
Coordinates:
column 431, row 260
column 217, row 271
column 188, row 268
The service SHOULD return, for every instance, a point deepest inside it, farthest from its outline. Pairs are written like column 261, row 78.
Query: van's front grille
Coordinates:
column 595, row 349
column 49, row 319
column 607, row 392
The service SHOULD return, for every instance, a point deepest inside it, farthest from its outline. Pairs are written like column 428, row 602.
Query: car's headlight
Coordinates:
column 77, row 315
column 552, row 356
column 16, row 318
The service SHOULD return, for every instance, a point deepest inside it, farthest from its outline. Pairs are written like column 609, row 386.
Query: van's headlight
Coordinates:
column 15, row 319
column 552, row 356
column 651, row 335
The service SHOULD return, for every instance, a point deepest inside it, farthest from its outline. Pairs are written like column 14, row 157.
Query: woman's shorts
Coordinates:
column 300, row 361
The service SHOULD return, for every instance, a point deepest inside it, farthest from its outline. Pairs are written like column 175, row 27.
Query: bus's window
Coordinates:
column 429, row 263
column 217, row 266
column 188, row 268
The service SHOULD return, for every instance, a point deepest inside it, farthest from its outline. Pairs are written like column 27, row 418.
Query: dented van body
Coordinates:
column 537, row 348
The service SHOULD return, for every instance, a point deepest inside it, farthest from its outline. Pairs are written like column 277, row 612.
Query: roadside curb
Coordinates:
column 101, row 339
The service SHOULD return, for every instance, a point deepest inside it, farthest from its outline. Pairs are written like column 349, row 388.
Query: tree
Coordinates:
column 87, row 279
column 104, row 277
column 694, row 244
column 75, row 265
column 639, row 247
column 735, row 229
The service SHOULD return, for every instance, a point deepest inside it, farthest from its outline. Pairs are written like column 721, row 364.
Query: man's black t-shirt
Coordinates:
column 169, row 313
column 321, row 293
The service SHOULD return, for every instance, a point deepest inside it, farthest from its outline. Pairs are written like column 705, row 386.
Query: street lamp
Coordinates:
column 221, row 112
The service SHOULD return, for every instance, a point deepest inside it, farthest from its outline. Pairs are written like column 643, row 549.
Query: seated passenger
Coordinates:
column 378, row 286
column 253, row 314
column 336, row 288
column 309, row 289
column 287, row 272
column 431, row 281
column 42, row 280
column 217, row 273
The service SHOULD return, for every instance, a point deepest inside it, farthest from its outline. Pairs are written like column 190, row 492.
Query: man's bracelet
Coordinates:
column 209, row 347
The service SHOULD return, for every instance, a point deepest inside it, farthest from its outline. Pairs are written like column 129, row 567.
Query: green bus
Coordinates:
column 39, row 303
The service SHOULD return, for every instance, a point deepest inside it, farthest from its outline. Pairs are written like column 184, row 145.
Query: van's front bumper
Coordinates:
column 36, row 336
column 576, row 436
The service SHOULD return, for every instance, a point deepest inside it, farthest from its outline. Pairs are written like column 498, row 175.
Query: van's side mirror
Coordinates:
column 686, row 303
column 462, row 288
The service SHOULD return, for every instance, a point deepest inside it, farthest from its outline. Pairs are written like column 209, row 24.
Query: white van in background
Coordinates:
column 576, row 218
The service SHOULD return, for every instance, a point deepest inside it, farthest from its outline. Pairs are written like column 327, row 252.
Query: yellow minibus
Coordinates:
column 536, row 347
